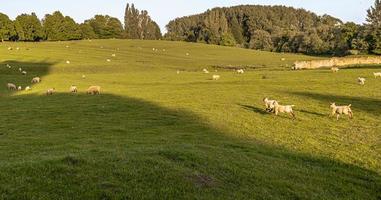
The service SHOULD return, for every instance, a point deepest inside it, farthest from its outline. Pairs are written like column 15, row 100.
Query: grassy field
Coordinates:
column 156, row 134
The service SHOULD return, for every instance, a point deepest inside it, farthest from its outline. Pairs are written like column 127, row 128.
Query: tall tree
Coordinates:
column 374, row 27
column 59, row 27
column 139, row 25
column 6, row 27
column 29, row 28
column 106, row 27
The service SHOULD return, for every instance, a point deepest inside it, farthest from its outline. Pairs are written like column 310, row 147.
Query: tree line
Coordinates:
column 57, row 27
column 280, row 29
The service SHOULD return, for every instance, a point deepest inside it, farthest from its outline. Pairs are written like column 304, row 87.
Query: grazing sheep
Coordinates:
column 205, row 71
column 341, row 110
column 93, row 90
column 9, row 66
column 83, row 76
column 240, row 71
column 178, row 72
column 67, row 46
column 36, row 80
column 113, row 55
column 20, row 70
column 19, row 88
column 335, row 69
column 10, row 48
column 187, row 54
column 269, row 104
column 283, row 59
column 27, row 88
column 108, row 60
column 11, row 86
column 73, row 89
column 377, row 74
column 17, row 48
column 284, row 109
column 361, row 81
column 67, row 62
column 23, row 73
column 50, row 91
column 216, row 77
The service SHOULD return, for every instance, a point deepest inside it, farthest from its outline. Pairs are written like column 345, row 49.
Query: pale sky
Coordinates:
column 162, row 11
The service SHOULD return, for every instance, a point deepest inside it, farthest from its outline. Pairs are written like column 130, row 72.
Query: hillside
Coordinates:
column 156, row 134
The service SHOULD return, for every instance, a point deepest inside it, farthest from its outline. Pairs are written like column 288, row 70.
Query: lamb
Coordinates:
column 20, row 70
column 187, row 54
column 73, row 89
column 340, row 110
column 9, row 66
column 11, row 86
column 19, row 88
column 27, row 88
column 361, row 81
column 269, row 104
column 216, row 77
column 205, row 71
column 335, row 69
column 10, row 48
column 36, row 80
column 93, row 90
column 23, row 73
column 240, row 71
column 284, row 109
column 108, row 60
column 178, row 72
column 50, row 91
column 113, row 55
column 67, row 62
column 377, row 74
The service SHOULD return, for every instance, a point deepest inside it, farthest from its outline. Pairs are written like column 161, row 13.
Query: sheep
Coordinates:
column 11, row 86
column 93, row 90
column 19, row 88
column 178, row 72
column 67, row 62
column 23, row 73
column 216, row 77
column 377, row 74
column 108, row 60
column 269, row 104
column 20, row 70
column 27, row 88
column 205, row 71
column 361, row 81
column 340, row 110
column 240, row 71
column 335, row 69
column 283, row 59
column 50, row 91
column 17, row 48
column 83, row 76
column 36, row 80
column 9, row 66
column 73, row 89
column 113, row 55
column 10, row 48
column 187, row 54
column 284, row 109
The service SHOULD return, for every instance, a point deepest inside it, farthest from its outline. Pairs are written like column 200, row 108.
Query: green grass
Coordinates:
column 156, row 134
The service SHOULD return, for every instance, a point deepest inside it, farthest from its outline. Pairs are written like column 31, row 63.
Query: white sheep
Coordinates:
column 340, row 110
column 10, row 48
column 113, row 55
column 50, row 91
column 9, row 66
column 27, row 88
column 361, row 81
column 93, row 90
column 187, row 54
column 73, row 89
column 269, row 104
column 36, row 80
column 377, row 74
column 205, row 71
column 216, row 77
column 23, row 73
column 67, row 62
column 19, row 88
column 240, row 71
column 83, row 76
column 178, row 72
column 335, row 69
column 20, row 70
column 11, row 86
column 108, row 60
column 284, row 109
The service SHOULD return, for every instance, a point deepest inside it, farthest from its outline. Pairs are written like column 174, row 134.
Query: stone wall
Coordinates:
column 336, row 62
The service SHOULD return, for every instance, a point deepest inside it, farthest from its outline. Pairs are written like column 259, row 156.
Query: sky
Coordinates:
column 162, row 11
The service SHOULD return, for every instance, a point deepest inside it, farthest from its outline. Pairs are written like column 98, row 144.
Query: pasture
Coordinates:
column 154, row 133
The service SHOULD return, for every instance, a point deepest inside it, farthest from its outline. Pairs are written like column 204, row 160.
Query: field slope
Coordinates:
column 157, row 134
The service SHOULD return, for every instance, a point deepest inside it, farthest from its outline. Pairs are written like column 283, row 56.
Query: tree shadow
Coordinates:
column 368, row 105
column 77, row 146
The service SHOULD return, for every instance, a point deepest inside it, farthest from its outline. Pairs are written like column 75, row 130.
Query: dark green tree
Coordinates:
column 374, row 27
column 58, row 27
column 106, row 27
column 28, row 28
column 7, row 30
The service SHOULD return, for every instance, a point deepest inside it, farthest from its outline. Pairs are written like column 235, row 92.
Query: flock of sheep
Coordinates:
column 360, row 80
column 93, row 90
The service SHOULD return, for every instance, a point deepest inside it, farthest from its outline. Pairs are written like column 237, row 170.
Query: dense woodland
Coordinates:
column 269, row 28
column 57, row 27
column 279, row 29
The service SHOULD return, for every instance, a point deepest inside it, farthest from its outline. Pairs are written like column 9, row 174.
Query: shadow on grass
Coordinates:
column 369, row 105
column 111, row 147
column 254, row 109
